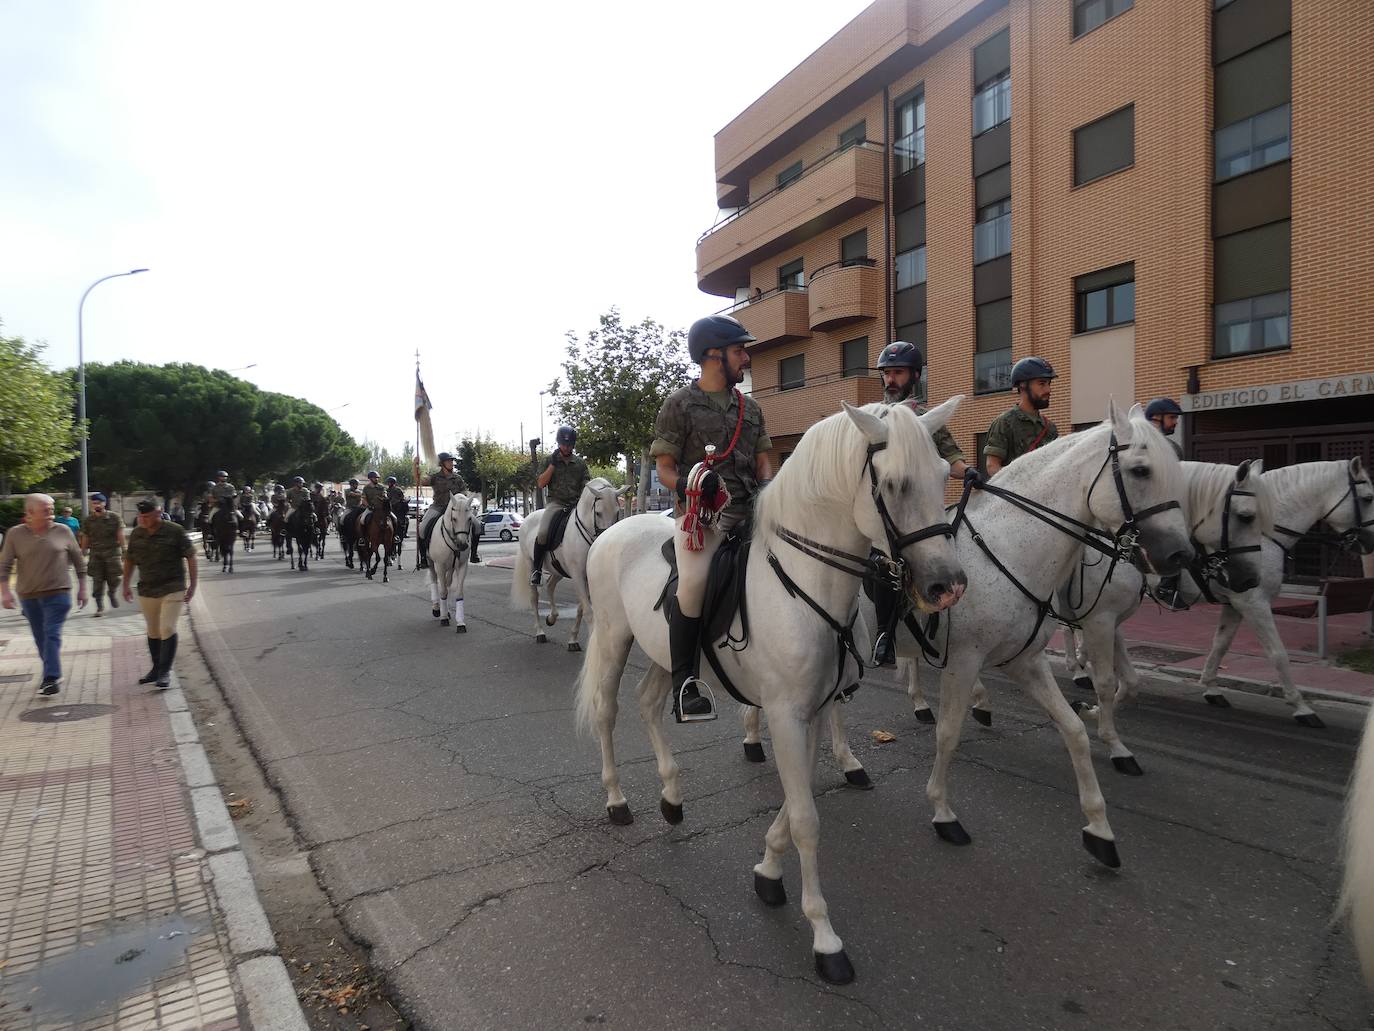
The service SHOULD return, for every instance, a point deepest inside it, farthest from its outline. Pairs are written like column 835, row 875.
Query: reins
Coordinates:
column 1349, row 540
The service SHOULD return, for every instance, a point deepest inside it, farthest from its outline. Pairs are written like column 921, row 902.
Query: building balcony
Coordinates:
column 833, row 190
column 792, row 411
column 841, row 293
column 776, row 317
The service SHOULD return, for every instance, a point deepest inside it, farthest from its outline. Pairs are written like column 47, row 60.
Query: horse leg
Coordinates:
column 653, row 693
column 979, row 708
column 552, row 618
column 1076, row 658
column 919, row 705
column 1227, row 625
column 1035, row 676
column 1099, row 640
column 753, row 743
column 1256, row 609
column 1126, row 675
column 794, row 746
column 597, row 689
column 433, row 594
column 955, row 687
column 459, row 580
column 574, row 645
column 854, row 773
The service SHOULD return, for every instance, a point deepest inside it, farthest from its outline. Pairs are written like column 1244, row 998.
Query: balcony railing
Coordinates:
column 844, row 291
column 992, row 239
column 773, row 317
column 798, row 407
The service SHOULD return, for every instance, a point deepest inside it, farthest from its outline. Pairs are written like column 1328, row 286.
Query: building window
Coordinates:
column 792, row 372
column 790, row 174
column 1104, row 146
column 856, row 133
column 992, row 357
column 1089, row 14
column 992, row 103
column 792, row 276
column 992, row 233
column 909, row 132
column 854, row 248
column 1254, row 142
column 1252, row 324
column 854, row 357
column 1105, row 298
column 911, row 268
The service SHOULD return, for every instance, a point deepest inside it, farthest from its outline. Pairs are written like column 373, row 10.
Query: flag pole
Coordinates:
column 417, row 450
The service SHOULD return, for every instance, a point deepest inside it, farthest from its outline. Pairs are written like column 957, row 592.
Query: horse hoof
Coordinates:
column 1101, row 849
column 620, row 814
column 1126, row 764
column 982, row 716
column 541, row 638
column 1219, row 700
column 925, row 715
column 461, row 628
column 434, row 612
column 770, row 890
column 573, row 646
column 1083, row 682
column 753, row 751
column 444, row 621
column 951, row 831
column 549, row 620
column 1310, row 719
column 858, row 779
column 1079, row 706
column 671, row 813
column 834, row 967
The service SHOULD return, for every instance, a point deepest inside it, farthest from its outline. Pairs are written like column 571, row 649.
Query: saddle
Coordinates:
column 724, row 598
column 558, row 526
column 349, row 522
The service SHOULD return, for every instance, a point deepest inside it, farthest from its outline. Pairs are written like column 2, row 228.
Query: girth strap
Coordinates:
column 844, row 634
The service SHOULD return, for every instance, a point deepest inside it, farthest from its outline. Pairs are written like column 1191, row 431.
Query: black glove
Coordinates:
column 973, row 475
column 710, row 484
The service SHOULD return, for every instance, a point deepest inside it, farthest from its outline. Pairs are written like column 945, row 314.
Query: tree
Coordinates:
column 499, row 468
column 614, row 474
column 37, row 431
column 613, row 384
column 400, row 466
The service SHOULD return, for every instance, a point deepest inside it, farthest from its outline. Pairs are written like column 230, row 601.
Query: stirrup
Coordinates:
column 708, row 695
column 884, row 654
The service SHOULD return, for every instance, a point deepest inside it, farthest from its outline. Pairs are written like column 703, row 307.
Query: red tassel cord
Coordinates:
column 699, row 514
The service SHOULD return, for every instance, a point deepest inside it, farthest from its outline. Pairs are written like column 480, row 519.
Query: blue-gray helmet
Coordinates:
column 566, row 435
column 901, row 355
column 1031, row 368
column 1162, row 406
column 715, row 331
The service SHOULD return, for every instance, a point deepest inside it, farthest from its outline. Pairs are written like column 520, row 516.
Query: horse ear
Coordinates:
column 1120, row 423
column 1356, row 467
column 940, row 415
column 869, row 424
column 1256, row 466
column 1243, row 471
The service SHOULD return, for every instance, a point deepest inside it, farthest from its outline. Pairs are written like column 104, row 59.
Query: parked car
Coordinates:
column 501, row 524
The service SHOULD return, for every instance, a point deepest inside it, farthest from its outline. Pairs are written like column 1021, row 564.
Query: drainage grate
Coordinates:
column 66, row 713
column 1164, row 656
column 16, row 678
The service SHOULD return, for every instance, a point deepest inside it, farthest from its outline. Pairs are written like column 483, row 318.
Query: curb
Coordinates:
column 261, row 973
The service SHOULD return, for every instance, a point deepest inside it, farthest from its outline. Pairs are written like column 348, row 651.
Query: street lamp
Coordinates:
column 539, row 491
column 81, row 385
column 244, row 368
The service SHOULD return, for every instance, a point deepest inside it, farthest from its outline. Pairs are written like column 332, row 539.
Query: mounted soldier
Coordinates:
column 1022, row 429
column 900, row 365
column 1164, row 412
column 713, row 497
column 374, row 497
column 564, row 477
column 297, row 495
column 444, row 483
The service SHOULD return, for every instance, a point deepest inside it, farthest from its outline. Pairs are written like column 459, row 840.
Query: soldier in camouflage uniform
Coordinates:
column 224, row 495
column 1164, row 412
column 394, row 495
column 102, row 537
column 374, row 497
column 297, row 495
column 158, row 549
column 564, row 476
column 1022, row 429
column 353, row 497
column 900, row 365
column 445, row 483
column 704, row 412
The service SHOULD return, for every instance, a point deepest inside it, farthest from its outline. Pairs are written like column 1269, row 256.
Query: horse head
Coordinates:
column 1238, row 513
column 601, row 502
column 1137, row 491
column 1348, row 501
column 901, row 500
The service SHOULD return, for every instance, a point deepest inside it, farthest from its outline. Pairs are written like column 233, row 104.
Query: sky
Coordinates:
column 321, row 189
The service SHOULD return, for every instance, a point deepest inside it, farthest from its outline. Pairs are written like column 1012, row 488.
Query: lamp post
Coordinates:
column 539, row 491
column 81, row 385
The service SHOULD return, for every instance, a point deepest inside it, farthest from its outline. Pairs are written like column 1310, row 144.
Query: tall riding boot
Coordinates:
column 154, row 650
column 1169, row 595
column 169, row 652
column 476, row 536
column 114, row 595
column 537, row 565
column 887, row 606
column 100, row 603
column 684, row 645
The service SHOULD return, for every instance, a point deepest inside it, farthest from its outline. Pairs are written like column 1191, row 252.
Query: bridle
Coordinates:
column 451, row 535
column 1348, row 540
column 597, row 529
column 1211, row 565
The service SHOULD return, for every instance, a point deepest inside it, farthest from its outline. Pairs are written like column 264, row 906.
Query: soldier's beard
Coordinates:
column 1040, row 403
column 894, row 394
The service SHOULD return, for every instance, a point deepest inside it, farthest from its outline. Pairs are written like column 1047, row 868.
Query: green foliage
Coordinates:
column 171, row 426
column 614, row 382
column 37, row 432
column 615, row 474
column 401, row 466
column 11, row 512
column 500, row 468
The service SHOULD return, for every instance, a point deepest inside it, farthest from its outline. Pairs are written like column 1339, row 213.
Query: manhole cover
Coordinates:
column 66, row 713
column 15, row 678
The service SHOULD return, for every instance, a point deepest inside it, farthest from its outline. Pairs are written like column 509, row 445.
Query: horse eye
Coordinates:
column 1141, row 472
column 1244, row 518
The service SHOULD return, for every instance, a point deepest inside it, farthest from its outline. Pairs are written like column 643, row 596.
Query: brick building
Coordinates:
column 1158, row 196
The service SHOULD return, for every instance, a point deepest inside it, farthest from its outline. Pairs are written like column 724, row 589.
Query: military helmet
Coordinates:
column 715, row 331
column 566, row 435
column 317, row 485
column 901, row 355
column 373, row 474
column 353, row 482
column 444, row 456
column 391, row 481
column 1162, row 406
column 298, row 481
column 1031, row 368
column 209, row 484
column 220, row 473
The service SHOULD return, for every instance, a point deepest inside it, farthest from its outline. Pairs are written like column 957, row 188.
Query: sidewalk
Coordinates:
column 1178, row 643
column 124, row 899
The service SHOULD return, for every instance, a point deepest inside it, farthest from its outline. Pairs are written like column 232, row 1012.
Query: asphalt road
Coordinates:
column 457, row 824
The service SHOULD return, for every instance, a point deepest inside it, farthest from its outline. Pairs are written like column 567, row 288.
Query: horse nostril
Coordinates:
column 936, row 591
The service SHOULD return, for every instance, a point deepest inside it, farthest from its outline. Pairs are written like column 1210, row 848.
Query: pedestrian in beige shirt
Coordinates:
column 43, row 549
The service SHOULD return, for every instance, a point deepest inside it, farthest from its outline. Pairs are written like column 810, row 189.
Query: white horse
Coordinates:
column 1229, row 509
column 449, row 546
column 1004, row 622
column 1357, row 889
column 865, row 473
column 597, row 508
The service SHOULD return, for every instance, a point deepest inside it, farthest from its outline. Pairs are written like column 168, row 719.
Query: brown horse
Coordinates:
column 377, row 543
column 321, row 507
column 224, row 529
column 248, row 524
column 276, row 525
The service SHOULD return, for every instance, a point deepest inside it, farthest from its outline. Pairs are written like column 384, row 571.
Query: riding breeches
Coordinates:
column 161, row 614
column 105, row 572
column 552, row 509
column 427, row 520
column 694, row 566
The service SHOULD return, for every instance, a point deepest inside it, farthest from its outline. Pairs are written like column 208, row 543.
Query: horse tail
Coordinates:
column 589, row 679
column 520, row 581
column 1357, row 889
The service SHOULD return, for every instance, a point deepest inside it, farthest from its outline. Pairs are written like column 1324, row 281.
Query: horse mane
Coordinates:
column 1208, row 481
column 825, row 467
column 1297, row 479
